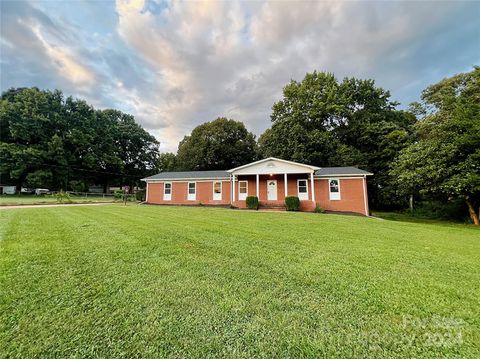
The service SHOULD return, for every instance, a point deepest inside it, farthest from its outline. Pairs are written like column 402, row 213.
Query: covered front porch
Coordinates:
column 271, row 180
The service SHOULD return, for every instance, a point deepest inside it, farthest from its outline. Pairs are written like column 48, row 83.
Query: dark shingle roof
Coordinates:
column 341, row 171
column 189, row 175
column 324, row 171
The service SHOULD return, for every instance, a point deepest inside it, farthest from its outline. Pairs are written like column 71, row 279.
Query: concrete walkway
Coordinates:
column 54, row 205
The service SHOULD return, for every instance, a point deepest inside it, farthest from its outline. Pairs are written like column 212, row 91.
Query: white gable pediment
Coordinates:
column 272, row 166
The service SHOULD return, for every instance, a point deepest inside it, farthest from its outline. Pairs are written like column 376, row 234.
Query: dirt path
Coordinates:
column 54, row 205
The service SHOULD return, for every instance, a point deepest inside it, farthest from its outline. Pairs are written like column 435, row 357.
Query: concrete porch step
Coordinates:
column 263, row 209
column 270, row 207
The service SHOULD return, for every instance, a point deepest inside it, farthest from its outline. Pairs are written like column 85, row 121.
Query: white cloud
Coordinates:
column 34, row 38
column 226, row 59
column 174, row 65
column 65, row 63
column 189, row 52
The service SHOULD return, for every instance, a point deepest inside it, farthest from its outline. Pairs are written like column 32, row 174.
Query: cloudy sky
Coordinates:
column 174, row 65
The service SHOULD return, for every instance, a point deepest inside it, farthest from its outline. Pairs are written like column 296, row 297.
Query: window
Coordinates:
column 242, row 190
column 217, row 191
column 334, row 189
column 167, row 191
column 302, row 186
column 192, row 191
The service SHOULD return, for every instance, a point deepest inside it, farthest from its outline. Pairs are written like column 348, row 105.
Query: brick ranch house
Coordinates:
column 340, row 189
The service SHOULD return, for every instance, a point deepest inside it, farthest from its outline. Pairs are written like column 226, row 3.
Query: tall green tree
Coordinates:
column 49, row 141
column 325, row 122
column 445, row 161
column 220, row 144
column 28, row 122
column 135, row 151
column 167, row 161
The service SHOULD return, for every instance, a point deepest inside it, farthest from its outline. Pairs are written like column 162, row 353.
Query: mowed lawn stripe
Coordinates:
column 178, row 281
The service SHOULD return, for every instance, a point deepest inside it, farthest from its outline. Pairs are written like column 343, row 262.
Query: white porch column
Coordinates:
column 286, row 184
column 313, row 188
column 256, row 186
column 233, row 187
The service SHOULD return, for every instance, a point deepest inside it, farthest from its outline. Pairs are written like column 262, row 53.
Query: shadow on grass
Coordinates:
column 407, row 217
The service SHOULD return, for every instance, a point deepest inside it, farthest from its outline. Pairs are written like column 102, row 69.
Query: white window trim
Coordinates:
column 167, row 197
column 217, row 196
column 242, row 196
column 191, row 197
column 302, row 196
column 339, row 190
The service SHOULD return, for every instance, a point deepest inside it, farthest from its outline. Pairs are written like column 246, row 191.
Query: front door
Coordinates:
column 272, row 190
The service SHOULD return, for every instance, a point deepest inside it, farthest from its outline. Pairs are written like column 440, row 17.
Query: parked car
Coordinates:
column 40, row 191
column 8, row 189
column 25, row 190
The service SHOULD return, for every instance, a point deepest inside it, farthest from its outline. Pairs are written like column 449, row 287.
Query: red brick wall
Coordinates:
column 351, row 192
column 351, row 196
column 204, row 193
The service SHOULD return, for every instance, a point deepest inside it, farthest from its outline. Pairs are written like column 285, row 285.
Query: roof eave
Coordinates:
column 314, row 168
column 185, row 179
column 345, row 175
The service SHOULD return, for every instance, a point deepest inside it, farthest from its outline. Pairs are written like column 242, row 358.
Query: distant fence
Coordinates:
column 83, row 195
column 94, row 196
column 90, row 195
column 118, row 196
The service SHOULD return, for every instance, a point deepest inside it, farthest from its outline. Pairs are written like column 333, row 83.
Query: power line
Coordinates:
column 87, row 170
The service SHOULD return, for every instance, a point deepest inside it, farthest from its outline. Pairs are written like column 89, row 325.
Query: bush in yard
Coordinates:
column 118, row 195
column 63, row 197
column 78, row 186
column 292, row 203
column 318, row 209
column 140, row 195
column 454, row 209
column 252, row 202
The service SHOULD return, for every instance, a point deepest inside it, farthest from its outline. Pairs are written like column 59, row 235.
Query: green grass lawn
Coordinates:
column 407, row 217
column 152, row 281
column 24, row 199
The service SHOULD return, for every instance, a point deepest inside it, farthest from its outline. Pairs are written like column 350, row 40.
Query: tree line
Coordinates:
column 54, row 142
column 430, row 152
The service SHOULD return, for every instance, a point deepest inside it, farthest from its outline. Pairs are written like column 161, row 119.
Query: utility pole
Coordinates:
column 125, row 195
